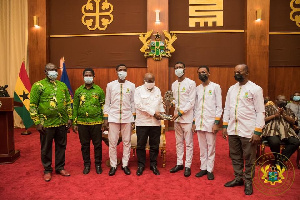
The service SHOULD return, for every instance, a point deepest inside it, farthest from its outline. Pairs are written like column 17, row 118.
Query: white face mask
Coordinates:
column 179, row 72
column 52, row 75
column 88, row 79
column 149, row 86
column 122, row 75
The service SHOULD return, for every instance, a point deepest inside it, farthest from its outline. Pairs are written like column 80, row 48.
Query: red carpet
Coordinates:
column 23, row 179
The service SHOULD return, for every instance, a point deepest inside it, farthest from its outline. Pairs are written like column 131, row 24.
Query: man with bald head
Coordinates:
column 243, row 121
column 148, row 105
column 279, row 122
column 50, row 109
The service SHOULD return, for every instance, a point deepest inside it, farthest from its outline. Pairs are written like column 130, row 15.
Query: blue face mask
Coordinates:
column 52, row 75
column 296, row 98
column 88, row 79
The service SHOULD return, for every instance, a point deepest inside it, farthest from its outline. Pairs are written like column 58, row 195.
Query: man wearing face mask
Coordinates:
column 149, row 107
column 50, row 109
column 119, row 113
column 184, row 93
column 267, row 101
column 243, row 121
column 207, row 115
column 279, row 122
column 295, row 107
column 88, row 118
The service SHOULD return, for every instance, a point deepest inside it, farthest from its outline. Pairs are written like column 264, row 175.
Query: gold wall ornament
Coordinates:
column 209, row 11
column 144, row 37
column 157, row 48
column 295, row 18
column 95, row 11
column 169, row 39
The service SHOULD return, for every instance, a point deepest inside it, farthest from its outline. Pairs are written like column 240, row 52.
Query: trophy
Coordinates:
column 168, row 99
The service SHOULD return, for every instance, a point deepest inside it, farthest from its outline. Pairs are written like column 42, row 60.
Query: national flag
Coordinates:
column 65, row 79
column 22, row 95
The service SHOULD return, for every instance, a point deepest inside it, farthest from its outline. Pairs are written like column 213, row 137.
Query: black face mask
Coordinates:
column 282, row 104
column 203, row 77
column 239, row 77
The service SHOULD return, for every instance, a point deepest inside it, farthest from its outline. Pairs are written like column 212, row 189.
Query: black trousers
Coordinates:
column 291, row 145
column 241, row 149
column 143, row 132
column 86, row 134
column 59, row 135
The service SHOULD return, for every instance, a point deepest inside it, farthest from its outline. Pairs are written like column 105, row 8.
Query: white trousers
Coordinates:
column 113, row 137
column 183, row 132
column 207, row 144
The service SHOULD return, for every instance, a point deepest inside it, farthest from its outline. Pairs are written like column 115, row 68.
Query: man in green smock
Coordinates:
column 50, row 109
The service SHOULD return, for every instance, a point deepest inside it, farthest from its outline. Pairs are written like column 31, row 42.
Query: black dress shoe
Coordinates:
column 155, row 170
column 176, row 168
column 187, row 172
column 112, row 171
column 210, row 176
column 99, row 169
column 126, row 170
column 86, row 169
column 201, row 173
column 235, row 182
column 248, row 188
column 140, row 171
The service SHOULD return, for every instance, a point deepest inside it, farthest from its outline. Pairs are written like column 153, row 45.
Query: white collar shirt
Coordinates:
column 147, row 103
column 244, row 111
column 184, row 94
column 208, row 106
column 119, row 102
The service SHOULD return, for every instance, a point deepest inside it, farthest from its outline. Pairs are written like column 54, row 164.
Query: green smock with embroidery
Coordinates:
column 88, row 105
column 50, row 103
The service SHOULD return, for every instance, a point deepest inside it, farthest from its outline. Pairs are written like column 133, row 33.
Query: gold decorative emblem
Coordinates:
column 157, row 48
column 296, row 17
column 94, row 12
column 205, row 12
column 0, row 104
column 273, row 174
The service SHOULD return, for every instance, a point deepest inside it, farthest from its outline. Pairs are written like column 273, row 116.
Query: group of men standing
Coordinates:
column 196, row 109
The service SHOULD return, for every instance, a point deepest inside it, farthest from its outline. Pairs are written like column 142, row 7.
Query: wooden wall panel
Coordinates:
column 284, row 80
column 209, row 49
column 158, row 68
column 37, row 40
column 284, row 50
column 66, row 17
column 97, row 52
column 257, row 42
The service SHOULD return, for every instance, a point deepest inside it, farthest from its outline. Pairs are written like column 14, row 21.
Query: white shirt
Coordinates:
column 208, row 106
column 119, row 102
column 147, row 103
column 244, row 110
column 184, row 93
